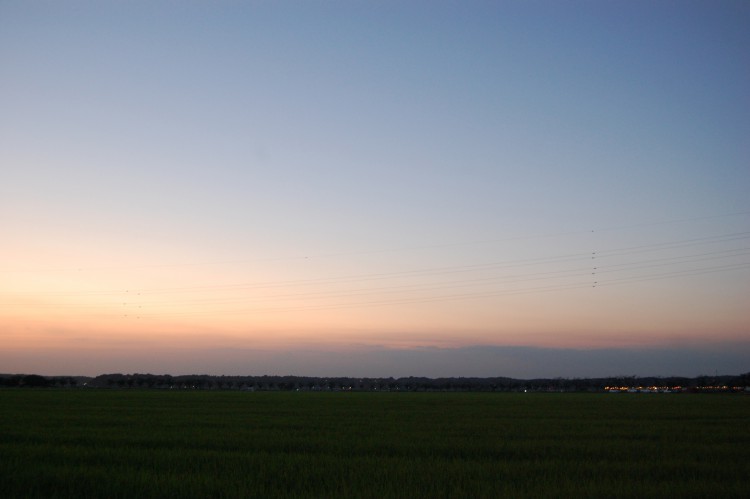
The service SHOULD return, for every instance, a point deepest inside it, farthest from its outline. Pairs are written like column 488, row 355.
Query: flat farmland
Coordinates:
column 99, row 443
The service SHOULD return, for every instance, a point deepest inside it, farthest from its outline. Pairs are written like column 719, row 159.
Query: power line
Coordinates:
column 452, row 270
column 580, row 274
column 383, row 250
column 466, row 296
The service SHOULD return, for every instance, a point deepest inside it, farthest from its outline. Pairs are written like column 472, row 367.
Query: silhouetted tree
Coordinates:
column 34, row 380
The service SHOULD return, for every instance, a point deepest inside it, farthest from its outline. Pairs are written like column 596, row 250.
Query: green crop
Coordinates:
column 90, row 443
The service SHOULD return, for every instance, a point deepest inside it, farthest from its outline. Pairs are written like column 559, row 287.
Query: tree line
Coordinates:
column 404, row 384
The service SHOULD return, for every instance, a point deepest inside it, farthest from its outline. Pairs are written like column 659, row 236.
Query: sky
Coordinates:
column 329, row 188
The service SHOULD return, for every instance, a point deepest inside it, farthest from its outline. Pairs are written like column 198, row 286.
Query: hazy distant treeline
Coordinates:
column 410, row 384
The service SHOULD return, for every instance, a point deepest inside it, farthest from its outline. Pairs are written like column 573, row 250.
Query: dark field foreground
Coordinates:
column 82, row 443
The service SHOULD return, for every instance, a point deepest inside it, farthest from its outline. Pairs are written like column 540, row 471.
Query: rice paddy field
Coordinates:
column 129, row 443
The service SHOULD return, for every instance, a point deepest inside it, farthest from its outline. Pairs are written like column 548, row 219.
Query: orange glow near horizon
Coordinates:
column 93, row 302
column 108, row 310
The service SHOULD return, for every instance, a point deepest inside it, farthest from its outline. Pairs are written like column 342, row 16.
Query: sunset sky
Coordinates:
column 351, row 188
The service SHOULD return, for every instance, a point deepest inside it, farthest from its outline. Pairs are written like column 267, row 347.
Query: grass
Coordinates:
column 113, row 444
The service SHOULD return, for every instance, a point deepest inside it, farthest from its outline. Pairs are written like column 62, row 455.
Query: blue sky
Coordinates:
column 208, row 149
